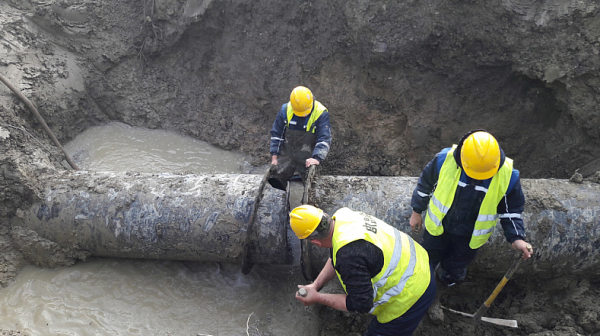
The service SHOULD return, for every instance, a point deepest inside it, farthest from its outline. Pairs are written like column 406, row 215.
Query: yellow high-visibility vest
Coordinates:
column 405, row 274
column 443, row 196
column 318, row 109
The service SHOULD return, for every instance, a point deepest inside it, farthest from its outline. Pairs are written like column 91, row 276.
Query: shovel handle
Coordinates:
column 484, row 307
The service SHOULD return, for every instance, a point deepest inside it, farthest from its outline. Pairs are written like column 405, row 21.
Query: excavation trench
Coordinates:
column 401, row 80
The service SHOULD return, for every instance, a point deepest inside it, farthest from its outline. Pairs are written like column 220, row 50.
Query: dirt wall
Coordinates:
column 401, row 79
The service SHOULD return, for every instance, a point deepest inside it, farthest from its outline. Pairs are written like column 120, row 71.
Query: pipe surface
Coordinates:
column 562, row 221
column 160, row 216
column 205, row 218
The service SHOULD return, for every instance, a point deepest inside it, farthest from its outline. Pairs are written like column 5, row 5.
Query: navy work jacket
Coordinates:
column 460, row 219
column 322, row 132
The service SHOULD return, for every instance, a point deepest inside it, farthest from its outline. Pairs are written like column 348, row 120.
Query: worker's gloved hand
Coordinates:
column 416, row 221
column 521, row 245
column 311, row 161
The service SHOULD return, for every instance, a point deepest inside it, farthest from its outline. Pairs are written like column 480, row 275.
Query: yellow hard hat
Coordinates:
column 302, row 101
column 480, row 155
column 305, row 219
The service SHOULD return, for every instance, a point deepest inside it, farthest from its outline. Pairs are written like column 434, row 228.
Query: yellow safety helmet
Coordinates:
column 302, row 101
column 480, row 155
column 305, row 219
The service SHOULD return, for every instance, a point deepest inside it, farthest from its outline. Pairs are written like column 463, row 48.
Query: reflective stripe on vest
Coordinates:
column 318, row 109
column 405, row 274
column 443, row 196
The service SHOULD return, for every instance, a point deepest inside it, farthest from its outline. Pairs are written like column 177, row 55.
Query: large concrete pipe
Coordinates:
column 160, row 216
column 205, row 217
column 561, row 218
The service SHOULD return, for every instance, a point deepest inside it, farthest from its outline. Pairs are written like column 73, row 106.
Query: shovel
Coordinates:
column 478, row 316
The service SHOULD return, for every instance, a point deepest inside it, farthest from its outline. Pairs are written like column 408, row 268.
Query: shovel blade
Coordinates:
column 496, row 321
column 501, row 322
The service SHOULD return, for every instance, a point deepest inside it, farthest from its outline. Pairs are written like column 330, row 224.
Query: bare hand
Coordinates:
column 274, row 160
column 311, row 161
column 416, row 221
column 309, row 298
column 521, row 245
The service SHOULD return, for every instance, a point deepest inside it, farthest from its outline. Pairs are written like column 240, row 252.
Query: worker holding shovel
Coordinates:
column 465, row 189
column 300, row 137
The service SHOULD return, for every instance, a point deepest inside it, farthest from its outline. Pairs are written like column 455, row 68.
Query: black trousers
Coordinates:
column 297, row 148
column 451, row 252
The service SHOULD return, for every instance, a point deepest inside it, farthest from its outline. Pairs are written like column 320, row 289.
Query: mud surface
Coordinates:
column 402, row 79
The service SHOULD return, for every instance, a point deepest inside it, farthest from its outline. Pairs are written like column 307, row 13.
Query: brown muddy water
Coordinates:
column 120, row 147
column 149, row 297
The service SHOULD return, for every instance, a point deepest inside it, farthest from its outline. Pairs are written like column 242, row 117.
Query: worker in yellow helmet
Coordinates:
column 300, row 136
column 383, row 271
column 465, row 189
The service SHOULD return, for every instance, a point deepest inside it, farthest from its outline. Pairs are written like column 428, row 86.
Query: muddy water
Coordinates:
column 120, row 147
column 145, row 297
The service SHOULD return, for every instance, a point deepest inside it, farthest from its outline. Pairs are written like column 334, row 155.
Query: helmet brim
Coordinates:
column 480, row 175
column 303, row 113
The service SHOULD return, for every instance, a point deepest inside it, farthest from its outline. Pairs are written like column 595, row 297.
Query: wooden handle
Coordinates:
column 477, row 316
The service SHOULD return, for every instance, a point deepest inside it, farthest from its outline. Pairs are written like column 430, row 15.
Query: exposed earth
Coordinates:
column 401, row 79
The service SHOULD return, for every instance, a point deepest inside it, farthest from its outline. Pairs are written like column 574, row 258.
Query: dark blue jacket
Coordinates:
column 460, row 219
column 322, row 132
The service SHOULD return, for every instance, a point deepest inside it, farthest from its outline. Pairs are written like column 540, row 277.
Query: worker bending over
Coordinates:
column 382, row 270
column 300, row 137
